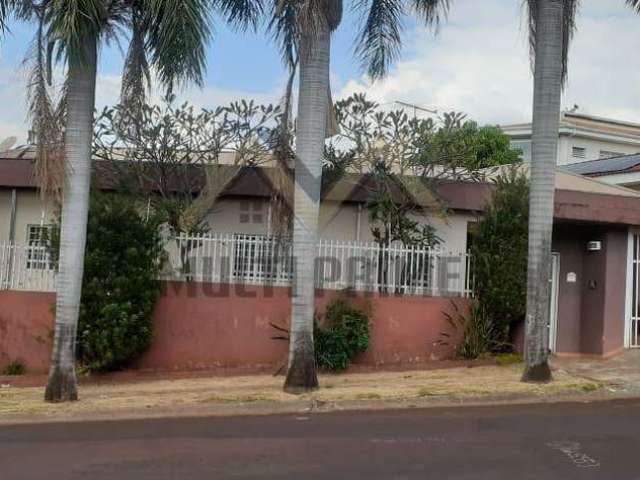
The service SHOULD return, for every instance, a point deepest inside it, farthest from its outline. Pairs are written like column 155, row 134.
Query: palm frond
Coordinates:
column 73, row 22
column 46, row 121
column 283, row 26
column 136, row 77
column 635, row 4
column 178, row 35
column 5, row 10
column 379, row 41
column 569, row 14
column 431, row 12
column 241, row 14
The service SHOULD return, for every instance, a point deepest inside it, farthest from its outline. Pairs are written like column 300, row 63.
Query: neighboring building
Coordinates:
column 582, row 138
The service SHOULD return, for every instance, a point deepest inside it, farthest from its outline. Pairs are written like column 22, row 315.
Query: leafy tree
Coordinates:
column 120, row 284
column 157, row 152
column 493, row 148
column 499, row 252
column 459, row 144
column 123, row 260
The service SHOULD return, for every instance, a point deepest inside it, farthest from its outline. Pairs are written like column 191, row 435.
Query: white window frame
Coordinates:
column 38, row 257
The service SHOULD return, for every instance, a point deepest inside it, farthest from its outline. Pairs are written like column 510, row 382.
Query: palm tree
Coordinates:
column 176, row 35
column 552, row 23
column 303, row 29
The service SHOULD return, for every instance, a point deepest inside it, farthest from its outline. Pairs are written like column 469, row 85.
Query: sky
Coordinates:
column 477, row 63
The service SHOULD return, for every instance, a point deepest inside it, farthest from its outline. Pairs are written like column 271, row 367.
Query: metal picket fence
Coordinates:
column 362, row 266
column 265, row 260
column 27, row 268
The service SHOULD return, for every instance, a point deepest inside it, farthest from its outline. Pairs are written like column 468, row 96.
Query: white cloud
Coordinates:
column 479, row 64
column 14, row 122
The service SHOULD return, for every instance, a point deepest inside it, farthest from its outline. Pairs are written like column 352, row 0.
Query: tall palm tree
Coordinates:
column 303, row 29
column 552, row 23
column 176, row 36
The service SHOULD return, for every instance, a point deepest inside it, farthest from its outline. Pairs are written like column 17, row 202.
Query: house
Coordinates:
column 244, row 207
column 596, row 257
column 582, row 138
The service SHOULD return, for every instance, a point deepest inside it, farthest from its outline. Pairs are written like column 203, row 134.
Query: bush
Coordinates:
column 479, row 334
column 16, row 367
column 499, row 252
column 120, row 286
column 343, row 335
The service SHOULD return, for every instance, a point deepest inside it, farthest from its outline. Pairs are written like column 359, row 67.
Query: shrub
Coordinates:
column 120, row 286
column 479, row 335
column 499, row 251
column 16, row 367
column 343, row 335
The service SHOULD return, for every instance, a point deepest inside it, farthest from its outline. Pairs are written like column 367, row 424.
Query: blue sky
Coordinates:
column 478, row 63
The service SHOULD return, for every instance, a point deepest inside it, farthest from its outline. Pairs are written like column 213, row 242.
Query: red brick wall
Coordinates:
column 26, row 328
column 200, row 326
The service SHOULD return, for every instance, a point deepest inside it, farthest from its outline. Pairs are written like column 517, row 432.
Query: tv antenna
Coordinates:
column 416, row 108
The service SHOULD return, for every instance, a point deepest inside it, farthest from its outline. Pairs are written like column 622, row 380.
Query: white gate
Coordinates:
column 553, row 306
column 632, row 339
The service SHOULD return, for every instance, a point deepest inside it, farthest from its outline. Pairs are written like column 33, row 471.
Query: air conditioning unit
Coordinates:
column 594, row 246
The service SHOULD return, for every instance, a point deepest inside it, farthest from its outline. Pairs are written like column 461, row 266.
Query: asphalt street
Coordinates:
column 546, row 441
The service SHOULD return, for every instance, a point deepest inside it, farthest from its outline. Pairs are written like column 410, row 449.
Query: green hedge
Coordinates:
column 343, row 335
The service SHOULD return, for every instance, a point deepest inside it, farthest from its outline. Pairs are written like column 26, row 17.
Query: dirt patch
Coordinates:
column 263, row 393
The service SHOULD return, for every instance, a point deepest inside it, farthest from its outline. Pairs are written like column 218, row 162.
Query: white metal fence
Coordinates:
column 362, row 266
column 26, row 268
column 263, row 260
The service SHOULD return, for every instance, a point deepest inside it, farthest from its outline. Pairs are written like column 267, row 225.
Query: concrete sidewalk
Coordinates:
column 620, row 374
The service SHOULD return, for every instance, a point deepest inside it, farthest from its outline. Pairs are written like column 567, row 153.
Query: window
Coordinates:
column 579, row 152
column 38, row 257
column 525, row 147
column 609, row 154
column 251, row 211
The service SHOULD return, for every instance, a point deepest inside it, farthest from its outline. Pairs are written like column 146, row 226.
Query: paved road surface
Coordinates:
column 562, row 441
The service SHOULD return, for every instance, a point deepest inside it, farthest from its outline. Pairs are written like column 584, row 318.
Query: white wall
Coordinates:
column 567, row 142
column 30, row 211
column 593, row 147
column 336, row 222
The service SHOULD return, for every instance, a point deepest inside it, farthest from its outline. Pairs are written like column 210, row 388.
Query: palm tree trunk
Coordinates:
column 61, row 385
column 311, row 132
column 546, row 115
